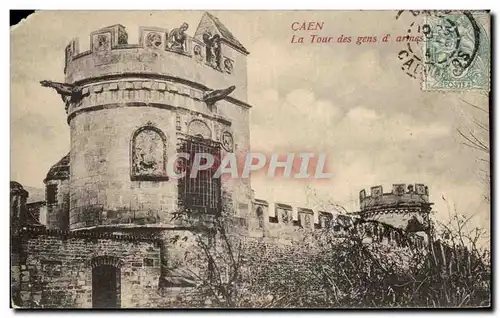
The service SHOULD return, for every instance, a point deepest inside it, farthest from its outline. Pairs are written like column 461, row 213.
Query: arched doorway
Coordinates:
column 106, row 279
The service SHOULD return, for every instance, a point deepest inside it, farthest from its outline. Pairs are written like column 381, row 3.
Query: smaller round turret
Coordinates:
column 60, row 170
column 57, row 194
column 406, row 206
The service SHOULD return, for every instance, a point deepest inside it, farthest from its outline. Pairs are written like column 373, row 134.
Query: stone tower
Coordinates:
column 133, row 107
column 405, row 207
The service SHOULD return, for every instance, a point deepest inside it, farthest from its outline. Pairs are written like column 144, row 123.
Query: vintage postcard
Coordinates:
column 250, row 159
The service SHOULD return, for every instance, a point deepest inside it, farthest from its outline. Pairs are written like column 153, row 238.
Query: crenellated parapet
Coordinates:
column 212, row 58
column 289, row 224
column 282, row 215
column 401, row 196
column 406, row 206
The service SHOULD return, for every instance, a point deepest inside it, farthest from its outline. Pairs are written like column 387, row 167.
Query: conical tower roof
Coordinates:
column 60, row 170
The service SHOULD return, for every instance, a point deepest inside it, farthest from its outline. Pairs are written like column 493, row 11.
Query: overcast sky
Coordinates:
column 352, row 102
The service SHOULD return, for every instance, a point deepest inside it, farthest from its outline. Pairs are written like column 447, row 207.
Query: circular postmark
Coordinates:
column 450, row 47
column 449, row 42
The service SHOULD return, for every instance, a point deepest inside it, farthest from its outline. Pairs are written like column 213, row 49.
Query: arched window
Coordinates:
column 149, row 155
column 199, row 129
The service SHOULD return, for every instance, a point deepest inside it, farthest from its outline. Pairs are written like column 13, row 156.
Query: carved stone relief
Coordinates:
column 101, row 42
column 307, row 221
column 376, row 191
column 420, row 189
column 285, row 216
column 122, row 37
column 149, row 154
column 227, row 141
column 228, row 66
column 260, row 217
column 197, row 51
column 398, row 189
column 325, row 220
column 154, row 40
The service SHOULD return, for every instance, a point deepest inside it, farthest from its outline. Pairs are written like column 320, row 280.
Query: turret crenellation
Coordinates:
column 406, row 206
column 401, row 195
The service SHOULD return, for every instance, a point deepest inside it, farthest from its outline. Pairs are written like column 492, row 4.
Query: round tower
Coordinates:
column 133, row 107
column 406, row 207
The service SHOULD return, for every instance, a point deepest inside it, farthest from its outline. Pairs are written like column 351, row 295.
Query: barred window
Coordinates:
column 203, row 192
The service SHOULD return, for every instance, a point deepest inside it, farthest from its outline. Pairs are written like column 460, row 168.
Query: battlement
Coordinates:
column 212, row 57
column 288, row 224
column 401, row 196
column 286, row 215
column 115, row 39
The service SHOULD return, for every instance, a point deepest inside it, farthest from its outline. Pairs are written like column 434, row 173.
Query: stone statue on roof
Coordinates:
column 177, row 38
column 213, row 52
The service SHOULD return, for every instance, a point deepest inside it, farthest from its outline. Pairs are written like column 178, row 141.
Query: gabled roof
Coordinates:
column 224, row 32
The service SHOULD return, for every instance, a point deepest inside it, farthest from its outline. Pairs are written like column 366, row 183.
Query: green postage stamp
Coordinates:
column 456, row 51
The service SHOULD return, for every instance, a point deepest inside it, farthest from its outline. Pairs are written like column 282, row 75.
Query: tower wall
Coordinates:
column 138, row 96
column 102, row 189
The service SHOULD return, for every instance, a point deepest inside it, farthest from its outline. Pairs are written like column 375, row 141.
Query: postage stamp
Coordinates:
column 456, row 51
